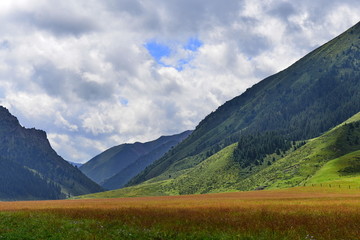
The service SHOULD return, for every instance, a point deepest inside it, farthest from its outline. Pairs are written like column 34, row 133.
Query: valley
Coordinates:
column 279, row 161
column 333, row 156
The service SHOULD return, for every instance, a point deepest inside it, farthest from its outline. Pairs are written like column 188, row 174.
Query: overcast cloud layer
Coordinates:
column 94, row 74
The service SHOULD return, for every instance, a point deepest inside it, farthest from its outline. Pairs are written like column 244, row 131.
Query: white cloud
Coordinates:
column 80, row 70
column 63, row 123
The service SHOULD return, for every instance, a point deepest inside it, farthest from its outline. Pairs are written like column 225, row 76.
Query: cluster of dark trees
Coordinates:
column 252, row 149
column 353, row 133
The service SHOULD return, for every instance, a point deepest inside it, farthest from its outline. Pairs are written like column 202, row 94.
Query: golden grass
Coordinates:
column 297, row 212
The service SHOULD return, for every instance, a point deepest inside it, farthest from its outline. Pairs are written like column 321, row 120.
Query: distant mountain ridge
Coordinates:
column 76, row 164
column 115, row 166
column 31, row 169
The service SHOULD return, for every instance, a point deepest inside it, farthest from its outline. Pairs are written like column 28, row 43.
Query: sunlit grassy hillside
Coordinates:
column 302, row 165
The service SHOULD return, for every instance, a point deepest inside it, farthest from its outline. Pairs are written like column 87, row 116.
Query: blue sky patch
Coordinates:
column 193, row 44
column 160, row 50
column 124, row 101
column 157, row 50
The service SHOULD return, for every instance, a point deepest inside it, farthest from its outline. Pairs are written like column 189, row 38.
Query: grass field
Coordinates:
column 297, row 213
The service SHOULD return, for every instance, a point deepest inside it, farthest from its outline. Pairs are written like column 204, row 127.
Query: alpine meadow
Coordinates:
column 279, row 161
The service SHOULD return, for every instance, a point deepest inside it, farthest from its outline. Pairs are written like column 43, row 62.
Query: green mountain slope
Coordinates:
column 343, row 169
column 347, row 167
column 313, row 95
column 115, row 166
column 332, row 157
column 300, row 166
column 31, row 169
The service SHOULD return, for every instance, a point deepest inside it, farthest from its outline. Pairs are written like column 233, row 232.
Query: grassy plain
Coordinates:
column 296, row 213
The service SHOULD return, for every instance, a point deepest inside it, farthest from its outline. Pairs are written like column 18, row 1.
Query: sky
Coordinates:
column 98, row 73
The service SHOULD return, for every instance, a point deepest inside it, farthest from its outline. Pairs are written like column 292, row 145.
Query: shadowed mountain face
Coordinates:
column 122, row 177
column 115, row 166
column 31, row 169
column 313, row 95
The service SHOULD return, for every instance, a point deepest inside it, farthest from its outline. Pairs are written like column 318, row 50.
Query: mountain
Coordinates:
column 330, row 159
column 123, row 176
column 115, row 166
column 313, row 95
column 31, row 169
column 75, row 164
column 316, row 93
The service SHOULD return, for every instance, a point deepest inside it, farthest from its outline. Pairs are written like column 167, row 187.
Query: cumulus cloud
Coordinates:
column 86, row 72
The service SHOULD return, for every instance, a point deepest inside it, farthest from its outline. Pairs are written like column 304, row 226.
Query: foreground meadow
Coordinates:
column 298, row 213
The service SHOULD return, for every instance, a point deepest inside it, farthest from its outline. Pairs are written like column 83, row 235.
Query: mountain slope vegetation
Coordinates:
column 116, row 166
column 300, row 166
column 31, row 169
column 333, row 157
column 313, row 95
column 344, row 170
